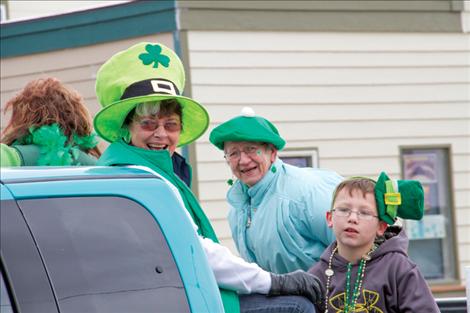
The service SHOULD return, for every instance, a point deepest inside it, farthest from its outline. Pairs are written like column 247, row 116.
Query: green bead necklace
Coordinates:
column 350, row 301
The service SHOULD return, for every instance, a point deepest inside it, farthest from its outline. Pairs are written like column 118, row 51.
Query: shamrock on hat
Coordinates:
column 144, row 72
column 246, row 127
column 401, row 198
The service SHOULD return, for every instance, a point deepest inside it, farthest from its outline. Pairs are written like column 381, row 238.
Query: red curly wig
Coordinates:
column 46, row 101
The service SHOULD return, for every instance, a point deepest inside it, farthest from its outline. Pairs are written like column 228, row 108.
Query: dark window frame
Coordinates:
column 310, row 155
column 7, row 300
column 22, row 264
column 453, row 275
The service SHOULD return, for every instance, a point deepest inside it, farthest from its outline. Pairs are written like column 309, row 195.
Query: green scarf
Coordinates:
column 120, row 153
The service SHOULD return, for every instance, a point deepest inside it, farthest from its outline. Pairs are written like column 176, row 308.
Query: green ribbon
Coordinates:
column 392, row 199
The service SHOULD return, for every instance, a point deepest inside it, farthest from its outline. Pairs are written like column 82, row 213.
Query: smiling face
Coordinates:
column 355, row 235
column 156, row 127
column 249, row 161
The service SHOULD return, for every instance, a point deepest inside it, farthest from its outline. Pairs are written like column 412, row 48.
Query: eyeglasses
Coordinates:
column 250, row 151
column 362, row 215
column 152, row 125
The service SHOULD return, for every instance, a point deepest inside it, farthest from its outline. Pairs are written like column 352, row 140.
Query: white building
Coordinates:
column 355, row 86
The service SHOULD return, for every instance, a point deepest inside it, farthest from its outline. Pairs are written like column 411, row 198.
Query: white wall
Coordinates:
column 20, row 9
column 356, row 97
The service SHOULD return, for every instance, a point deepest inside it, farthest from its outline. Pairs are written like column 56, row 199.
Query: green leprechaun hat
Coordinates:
column 144, row 72
column 401, row 198
column 246, row 127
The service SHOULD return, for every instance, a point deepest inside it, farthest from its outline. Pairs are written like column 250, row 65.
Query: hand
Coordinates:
column 298, row 283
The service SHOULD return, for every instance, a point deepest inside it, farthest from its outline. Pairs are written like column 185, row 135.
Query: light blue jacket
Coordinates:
column 280, row 222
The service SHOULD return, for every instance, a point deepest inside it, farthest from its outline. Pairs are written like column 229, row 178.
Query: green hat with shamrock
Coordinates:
column 144, row 72
column 246, row 127
column 398, row 198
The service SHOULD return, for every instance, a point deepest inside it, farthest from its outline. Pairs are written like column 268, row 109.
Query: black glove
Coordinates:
column 298, row 283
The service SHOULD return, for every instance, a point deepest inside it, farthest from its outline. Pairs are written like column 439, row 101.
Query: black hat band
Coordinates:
column 150, row 86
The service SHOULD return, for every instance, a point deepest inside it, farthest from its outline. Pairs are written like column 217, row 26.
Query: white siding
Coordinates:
column 356, row 97
column 30, row 8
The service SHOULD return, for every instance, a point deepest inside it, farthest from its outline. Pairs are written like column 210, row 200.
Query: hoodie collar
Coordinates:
column 394, row 240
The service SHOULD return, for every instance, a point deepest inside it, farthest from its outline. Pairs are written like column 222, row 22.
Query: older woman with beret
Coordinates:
column 145, row 118
column 278, row 211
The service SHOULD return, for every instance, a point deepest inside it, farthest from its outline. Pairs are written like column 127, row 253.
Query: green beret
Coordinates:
column 403, row 198
column 246, row 127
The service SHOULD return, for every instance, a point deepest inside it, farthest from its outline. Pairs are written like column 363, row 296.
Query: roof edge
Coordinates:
column 87, row 27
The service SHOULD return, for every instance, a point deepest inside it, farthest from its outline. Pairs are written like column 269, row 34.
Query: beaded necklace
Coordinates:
column 350, row 301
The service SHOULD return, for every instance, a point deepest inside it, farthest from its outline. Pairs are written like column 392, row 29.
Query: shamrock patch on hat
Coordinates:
column 154, row 56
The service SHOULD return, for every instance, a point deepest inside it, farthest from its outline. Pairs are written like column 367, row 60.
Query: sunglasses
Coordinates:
column 152, row 125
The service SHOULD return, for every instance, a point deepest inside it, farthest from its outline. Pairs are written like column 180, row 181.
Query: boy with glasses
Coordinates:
column 367, row 268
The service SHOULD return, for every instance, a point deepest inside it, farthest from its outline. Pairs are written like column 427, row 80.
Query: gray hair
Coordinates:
column 154, row 108
column 148, row 108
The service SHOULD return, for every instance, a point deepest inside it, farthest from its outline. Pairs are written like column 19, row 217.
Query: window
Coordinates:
column 300, row 157
column 22, row 268
column 105, row 254
column 5, row 303
column 432, row 239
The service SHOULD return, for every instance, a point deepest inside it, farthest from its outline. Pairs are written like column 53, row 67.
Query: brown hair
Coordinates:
column 363, row 184
column 47, row 101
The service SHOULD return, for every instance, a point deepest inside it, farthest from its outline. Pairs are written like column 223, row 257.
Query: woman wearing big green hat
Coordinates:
column 145, row 118
column 277, row 214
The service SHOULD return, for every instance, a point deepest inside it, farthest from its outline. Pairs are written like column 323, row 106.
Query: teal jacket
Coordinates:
column 280, row 222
